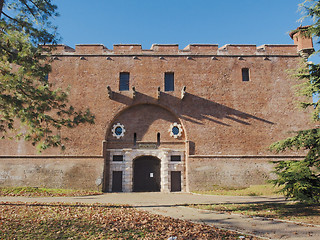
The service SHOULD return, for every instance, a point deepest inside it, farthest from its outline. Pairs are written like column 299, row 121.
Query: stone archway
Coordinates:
column 146, row 174
column 147, row 130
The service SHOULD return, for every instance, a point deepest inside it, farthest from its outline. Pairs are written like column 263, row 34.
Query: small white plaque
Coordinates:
column 98, row 181
column 151, row 174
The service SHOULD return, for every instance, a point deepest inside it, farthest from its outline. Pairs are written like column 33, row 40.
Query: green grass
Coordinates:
column 287, row 211
column 96, row 221
column 253, row 190
column 44, row 192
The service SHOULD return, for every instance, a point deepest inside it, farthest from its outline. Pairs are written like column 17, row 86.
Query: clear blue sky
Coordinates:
column 177, row 21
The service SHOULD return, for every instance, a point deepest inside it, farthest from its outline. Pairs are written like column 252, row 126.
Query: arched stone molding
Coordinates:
column 166, row 166
column 146, row 121
column 126, row 108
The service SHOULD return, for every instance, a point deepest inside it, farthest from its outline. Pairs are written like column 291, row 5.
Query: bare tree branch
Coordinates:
column 1, row 6
column 37, row 6
column 30, row 10
column 13, row 19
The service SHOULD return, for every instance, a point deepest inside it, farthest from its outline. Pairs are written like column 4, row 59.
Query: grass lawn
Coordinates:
column 84, row 221
column 287, row 211
column 254, row 190
column 43, row 192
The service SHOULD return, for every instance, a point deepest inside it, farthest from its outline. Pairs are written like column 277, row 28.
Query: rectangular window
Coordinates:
column 135, row 139
column 245, row 74
column 176, row 158
column 169, row 81
column 117, row 158
column 124, row 81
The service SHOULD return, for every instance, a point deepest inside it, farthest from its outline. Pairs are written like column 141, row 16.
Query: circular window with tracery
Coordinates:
column 175, row 130
column 118, row 130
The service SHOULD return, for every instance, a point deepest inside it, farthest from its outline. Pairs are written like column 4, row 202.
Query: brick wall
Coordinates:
column 230, row 171
column 52, row 172
column 220, row 114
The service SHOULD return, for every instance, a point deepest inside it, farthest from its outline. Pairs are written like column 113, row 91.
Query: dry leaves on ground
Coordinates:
column 82, row 221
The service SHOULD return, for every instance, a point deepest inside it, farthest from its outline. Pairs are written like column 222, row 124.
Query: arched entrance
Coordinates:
column 146, row 174
column 145, row 151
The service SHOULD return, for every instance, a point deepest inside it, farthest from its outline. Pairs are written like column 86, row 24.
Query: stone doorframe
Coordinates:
column 166, row 166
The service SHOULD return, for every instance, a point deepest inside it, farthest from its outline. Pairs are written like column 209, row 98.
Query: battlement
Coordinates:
column 173, row 49
column 124, row 48
column 202, row 48
column 90, row 48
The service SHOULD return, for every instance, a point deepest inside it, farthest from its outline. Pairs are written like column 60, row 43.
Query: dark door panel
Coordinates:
column 175, row 181
column 146, row 174
column 117, row 181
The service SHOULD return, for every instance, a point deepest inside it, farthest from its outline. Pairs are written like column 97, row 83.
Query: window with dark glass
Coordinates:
column 124, row 81
column 117, row 158
column 135, row 139
column 245, row 74
column 175, row 158
column 118, row 130
column 158, row 138
column 169, row 81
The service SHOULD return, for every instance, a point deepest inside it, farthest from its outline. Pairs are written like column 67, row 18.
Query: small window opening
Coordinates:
column 158, row 139
column 124, row 81
column 135, row 139
column 117, row 158
column 169, row 81
column 176, row 158
column 245, row 74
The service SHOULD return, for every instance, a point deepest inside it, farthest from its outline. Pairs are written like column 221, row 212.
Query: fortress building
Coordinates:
column 167, row 119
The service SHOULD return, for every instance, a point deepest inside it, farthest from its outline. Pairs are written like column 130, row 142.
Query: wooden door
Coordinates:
column 146, row 174
column 176, row 181
column 117, row 181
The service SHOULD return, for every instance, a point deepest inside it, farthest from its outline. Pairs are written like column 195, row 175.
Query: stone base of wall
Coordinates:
column 72, row 172
column 204, row 172
column 52, row 172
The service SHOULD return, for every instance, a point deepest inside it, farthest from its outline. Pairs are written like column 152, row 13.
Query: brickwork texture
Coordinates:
column 227, row 124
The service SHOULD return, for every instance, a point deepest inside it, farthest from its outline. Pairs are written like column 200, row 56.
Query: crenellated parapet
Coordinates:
column 173, row 49
column 302, row 46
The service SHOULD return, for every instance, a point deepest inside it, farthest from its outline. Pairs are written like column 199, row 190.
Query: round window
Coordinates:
column 175, row 130
column 118, row 130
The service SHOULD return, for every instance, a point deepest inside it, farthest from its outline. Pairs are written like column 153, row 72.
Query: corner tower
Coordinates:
column 303, row 40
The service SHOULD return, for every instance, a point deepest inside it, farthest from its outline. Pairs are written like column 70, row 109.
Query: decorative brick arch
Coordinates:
column 128, row 108
column 160, row 121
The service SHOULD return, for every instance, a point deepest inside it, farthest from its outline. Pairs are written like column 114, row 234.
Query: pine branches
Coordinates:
column 26, row 99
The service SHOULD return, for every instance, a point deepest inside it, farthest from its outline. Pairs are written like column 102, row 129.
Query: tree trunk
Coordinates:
column 1, row 6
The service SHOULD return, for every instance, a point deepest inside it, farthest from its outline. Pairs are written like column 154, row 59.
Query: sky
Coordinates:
column 180, row 22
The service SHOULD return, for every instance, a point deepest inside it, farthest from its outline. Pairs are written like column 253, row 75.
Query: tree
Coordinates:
column 29, row 107
column 300, row 180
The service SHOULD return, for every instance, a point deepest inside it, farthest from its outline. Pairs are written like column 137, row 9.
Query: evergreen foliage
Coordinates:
column 29, row 107
column 300, row 180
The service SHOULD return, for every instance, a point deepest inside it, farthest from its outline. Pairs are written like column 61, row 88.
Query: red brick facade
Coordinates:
column 226, row 124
